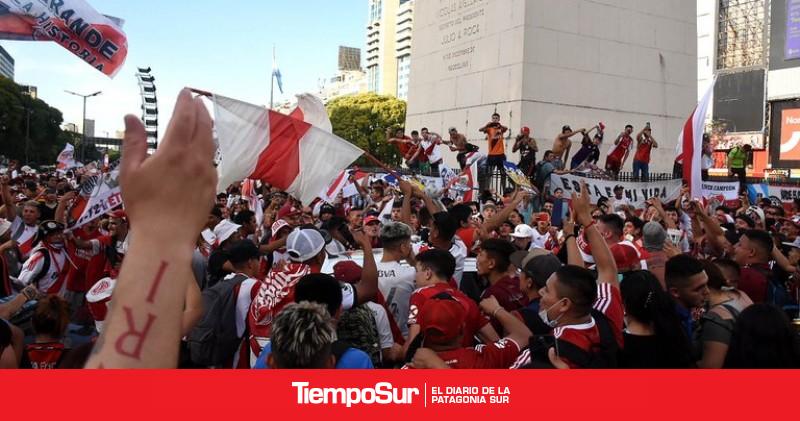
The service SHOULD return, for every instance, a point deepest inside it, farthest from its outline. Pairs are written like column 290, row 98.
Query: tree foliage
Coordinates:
column 46, row 137
column 363, row 119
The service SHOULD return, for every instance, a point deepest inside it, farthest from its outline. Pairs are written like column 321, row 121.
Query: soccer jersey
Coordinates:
column 473, row 322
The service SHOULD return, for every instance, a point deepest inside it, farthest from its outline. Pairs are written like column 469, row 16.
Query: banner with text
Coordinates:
column 637, row 193
column 98, row 40
column 728, row 190
column 98, row 195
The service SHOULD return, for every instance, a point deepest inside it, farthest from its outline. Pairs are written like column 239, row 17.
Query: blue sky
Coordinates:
column 220, row 46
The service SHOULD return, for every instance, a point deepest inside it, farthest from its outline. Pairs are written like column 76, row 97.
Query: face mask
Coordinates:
column 629, row 238
column 546, row 319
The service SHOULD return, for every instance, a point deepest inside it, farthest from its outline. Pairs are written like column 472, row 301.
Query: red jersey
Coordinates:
column 507, row 293
column 500, row 354
column 474, row 319
column 753, row 282
column 586, row 335
column 618, row 151
column 643, row 151
column 88, row 264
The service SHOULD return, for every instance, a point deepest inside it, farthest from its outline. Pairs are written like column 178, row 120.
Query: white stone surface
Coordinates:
column 546, row 63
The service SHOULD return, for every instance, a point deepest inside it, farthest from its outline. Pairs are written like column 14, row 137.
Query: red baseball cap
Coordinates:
column 347, row 271
column 543, row 217
column 370, row 219
column 526, row 130
column 625, row 256
column 442, row 320
column 288, row 210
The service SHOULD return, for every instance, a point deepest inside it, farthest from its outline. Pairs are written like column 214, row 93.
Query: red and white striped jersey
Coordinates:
column 52, row 281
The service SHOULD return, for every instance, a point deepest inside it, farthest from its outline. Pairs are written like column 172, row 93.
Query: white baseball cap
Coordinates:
column 224, row 230
column 523, row 231
column 304, row 244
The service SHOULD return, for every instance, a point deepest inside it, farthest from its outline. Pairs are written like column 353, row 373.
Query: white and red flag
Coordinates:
column 471, row 174
column 66, row 159
column 97, row 39
column 329, row 194
column 690, row 144
column 289, row 154
column 311, row 110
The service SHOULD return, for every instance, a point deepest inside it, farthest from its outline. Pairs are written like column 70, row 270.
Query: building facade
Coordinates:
column 6, row 64
column 405, row 28
column 388, row 49
column 752, row 49
column 547, row 63
column 349, row 58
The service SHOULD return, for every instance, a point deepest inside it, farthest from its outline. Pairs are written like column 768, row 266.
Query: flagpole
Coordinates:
column 272, row 79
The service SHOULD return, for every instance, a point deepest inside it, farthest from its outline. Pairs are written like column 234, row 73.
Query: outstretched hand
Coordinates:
column 581, row 206
column 176, row 210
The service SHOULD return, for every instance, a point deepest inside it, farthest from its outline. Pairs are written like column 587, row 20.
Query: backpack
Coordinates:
column 214, row 341
column 45, row 267
column 357, row 328
column 602, row 355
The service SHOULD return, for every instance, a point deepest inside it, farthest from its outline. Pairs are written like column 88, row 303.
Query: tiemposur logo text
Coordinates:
column 382, row 394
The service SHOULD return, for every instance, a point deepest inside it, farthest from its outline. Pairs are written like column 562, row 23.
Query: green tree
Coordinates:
column 362, row 120
column 20, row 116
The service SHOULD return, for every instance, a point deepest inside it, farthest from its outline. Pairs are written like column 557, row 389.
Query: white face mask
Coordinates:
column 546, row 319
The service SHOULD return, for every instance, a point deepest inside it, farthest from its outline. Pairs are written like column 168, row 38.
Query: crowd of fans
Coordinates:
column 394, row 277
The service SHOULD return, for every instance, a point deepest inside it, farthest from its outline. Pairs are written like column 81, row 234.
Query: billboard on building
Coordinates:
column 739, row 101
column 785, row 134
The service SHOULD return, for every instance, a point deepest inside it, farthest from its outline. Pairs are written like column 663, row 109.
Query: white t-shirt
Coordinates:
column 538, row 241
column 243, row 301
column 382, row 323
column 435, row 156
column 396, row 282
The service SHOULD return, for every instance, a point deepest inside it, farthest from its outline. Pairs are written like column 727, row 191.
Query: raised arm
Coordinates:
column 573, row 252
column 407, row 190
column 515, row 328
column 61, row 210
column 144, row 328
column 494, row 223
column 606, row 267
column 367, row 289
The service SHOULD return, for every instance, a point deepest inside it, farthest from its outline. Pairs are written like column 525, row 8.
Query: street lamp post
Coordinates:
column 82, row 151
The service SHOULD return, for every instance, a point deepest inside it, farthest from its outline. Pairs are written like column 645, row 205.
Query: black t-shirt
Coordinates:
column 650, row 352
column 47, row 213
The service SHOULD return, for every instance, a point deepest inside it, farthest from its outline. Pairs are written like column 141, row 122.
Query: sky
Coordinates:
column 219, row 46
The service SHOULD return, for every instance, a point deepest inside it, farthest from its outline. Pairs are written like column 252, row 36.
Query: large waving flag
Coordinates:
column 74, row 24
column 311, row 110
column 289, row 154
column 690, row 144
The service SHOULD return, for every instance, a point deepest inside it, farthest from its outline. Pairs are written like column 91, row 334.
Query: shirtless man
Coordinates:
column 562, row 146
column 458, row 143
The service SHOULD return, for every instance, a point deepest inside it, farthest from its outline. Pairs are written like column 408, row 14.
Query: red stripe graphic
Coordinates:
column 279, row 163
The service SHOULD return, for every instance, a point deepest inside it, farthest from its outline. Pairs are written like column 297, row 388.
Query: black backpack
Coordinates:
column 45, row 267
column 214, row 341
column 602, row 355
